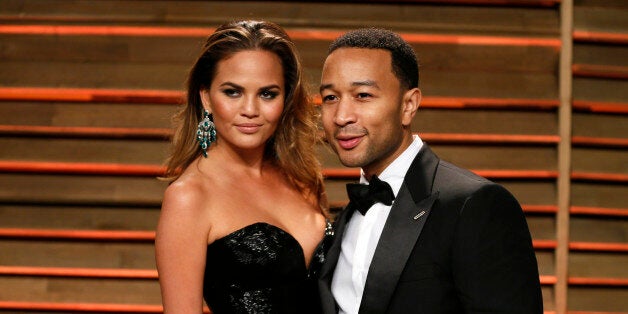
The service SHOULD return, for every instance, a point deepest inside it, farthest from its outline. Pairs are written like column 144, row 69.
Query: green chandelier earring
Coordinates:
column 206, row 132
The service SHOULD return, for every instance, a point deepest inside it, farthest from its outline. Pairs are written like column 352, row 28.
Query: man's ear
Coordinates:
column 410, row 104
column 204, row 94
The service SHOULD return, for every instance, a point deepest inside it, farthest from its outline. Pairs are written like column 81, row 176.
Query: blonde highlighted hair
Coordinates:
column 292, row 147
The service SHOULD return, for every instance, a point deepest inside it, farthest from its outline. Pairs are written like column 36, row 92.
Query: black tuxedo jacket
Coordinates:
column 454, row 242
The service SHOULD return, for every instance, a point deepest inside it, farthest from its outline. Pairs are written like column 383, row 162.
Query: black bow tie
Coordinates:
column 362, row 196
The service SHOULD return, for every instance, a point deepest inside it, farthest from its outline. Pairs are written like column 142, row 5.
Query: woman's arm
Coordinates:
column 180, row 249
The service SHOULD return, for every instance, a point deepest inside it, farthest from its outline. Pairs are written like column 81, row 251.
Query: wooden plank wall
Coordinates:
column 87, row 88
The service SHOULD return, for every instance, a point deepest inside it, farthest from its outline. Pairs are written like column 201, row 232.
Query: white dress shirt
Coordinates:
column 362, row 234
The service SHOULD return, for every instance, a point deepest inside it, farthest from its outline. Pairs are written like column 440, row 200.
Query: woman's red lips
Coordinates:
column 248, row 128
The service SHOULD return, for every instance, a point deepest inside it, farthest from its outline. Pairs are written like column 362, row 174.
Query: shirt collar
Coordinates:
column 396, row 171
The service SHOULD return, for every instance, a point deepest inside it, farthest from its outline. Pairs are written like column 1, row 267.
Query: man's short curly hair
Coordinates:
column 404, row 60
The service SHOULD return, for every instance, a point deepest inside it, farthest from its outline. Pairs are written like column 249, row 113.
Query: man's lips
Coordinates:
column 349, row 142
column 248, row 128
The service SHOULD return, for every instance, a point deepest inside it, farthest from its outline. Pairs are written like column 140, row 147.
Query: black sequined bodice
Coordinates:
column 261, row 269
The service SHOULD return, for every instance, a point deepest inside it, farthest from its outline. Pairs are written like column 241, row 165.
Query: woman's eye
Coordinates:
column 231, row 92
column 267, row 94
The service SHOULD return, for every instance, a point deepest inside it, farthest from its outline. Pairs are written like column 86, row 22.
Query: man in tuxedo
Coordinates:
column 419, row 235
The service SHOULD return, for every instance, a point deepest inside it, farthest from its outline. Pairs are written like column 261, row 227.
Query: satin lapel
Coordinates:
column 327, row 270
column 402, row 229
column 398, row 238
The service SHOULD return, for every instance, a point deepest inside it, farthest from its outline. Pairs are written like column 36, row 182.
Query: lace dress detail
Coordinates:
column 261, row 269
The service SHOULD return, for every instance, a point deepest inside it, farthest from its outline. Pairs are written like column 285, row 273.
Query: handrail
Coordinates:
column 599, row 107
column 80, row 168
column 164, row 133
column 113, row 169
column 551, row 209
column 152, row 274
column 598, row 247
column 86, row 132
column 77, row 234
column 500, row 3
column 91, row 95
column 446, row 102
column 353, row 173
column 600, row 37
column 611, row 142
column 600, row 71
column 174, row 97
column 294, row 33
column 597, row 281
column 147, row 308
column 539, row 209
column 598, row 211
column 80, row 307
column 116, row 273
column 149, row 236
column 467, row 138
column 599, row 177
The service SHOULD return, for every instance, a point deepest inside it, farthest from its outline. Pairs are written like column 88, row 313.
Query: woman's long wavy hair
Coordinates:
column 292, row 147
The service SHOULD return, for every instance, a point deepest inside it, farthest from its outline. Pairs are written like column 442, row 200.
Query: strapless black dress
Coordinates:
column 261, row 269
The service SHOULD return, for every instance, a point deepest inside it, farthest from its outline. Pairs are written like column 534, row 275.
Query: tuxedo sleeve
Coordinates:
column 494, row 265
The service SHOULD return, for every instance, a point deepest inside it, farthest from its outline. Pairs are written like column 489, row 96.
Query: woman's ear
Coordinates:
column 204, row 94
column 410, row 104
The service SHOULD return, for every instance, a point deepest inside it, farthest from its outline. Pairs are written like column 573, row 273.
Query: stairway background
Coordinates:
column 511, row 91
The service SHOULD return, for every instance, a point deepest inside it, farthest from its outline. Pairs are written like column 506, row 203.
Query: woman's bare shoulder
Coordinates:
column 187, row 204
column 187, row 191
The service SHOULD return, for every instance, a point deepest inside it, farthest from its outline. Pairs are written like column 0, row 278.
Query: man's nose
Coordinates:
column 345, row 113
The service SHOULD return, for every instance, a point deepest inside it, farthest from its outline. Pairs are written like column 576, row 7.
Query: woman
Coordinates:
column 242, row 220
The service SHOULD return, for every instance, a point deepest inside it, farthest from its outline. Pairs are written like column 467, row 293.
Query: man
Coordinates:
column 451, row 241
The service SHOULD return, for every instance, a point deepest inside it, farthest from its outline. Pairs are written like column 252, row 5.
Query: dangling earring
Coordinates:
column 206, row 132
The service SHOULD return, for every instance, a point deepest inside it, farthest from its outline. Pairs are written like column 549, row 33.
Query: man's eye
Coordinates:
column 364, row 95
column 267, row 94
column 329, row 98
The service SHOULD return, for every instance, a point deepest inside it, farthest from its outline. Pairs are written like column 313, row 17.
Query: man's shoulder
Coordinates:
column 454, row 179
column 447, row 178
column 451, row 171
column 456, row 185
